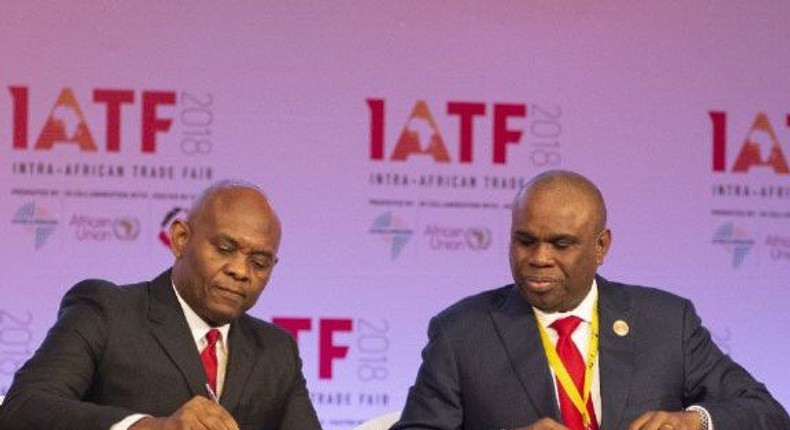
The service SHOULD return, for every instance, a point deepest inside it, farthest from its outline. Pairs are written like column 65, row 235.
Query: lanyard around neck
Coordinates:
column 562, row 374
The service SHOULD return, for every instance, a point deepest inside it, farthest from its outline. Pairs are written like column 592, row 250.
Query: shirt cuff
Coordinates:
column 707, row 421
column 127, row 422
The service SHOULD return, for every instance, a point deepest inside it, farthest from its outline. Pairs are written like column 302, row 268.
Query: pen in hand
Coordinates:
column 211, row 393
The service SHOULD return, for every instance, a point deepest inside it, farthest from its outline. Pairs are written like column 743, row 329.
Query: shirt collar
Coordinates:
column 198, row 326
column 584, row 311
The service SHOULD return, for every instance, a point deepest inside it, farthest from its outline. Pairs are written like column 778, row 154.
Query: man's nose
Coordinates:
column 541, row 255
column 238, row 267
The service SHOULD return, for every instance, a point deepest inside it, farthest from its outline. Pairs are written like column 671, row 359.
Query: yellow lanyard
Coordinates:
column 562, row 374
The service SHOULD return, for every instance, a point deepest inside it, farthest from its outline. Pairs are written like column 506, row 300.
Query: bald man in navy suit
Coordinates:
column 130, row 357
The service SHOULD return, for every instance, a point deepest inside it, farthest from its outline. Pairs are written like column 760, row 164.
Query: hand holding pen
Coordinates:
column 199, row 413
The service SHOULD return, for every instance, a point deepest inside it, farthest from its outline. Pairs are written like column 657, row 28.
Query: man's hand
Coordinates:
column 662, row 420
column 544, row 424
column 199, row 413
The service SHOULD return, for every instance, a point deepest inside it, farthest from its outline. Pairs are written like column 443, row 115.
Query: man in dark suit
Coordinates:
column 563, row 348
column 178, row 352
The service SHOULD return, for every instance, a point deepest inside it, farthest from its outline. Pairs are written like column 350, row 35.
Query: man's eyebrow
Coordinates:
column 523, row 233
column 253, row 252
column 562, row 236
column 553, row 238
column 226, row 238
column 263, row 252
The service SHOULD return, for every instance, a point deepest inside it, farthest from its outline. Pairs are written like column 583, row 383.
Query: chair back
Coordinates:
column 381, row 422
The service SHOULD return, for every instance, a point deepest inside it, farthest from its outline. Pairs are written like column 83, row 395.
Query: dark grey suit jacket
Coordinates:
column 484, row 366
column 116, row 350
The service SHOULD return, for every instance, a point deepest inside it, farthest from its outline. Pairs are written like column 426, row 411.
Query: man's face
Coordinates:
column 556, row 246
column 225, row 254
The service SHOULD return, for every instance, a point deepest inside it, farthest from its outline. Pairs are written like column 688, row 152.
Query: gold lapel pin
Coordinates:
column 620, row 328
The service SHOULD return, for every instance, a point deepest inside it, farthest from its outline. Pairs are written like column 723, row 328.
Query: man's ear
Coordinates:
column 179, row 236
column 602, row 245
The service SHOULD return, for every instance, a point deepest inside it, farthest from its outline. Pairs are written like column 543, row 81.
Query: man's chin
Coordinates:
column 544, row 306
column 542, row 299
column 221, row 316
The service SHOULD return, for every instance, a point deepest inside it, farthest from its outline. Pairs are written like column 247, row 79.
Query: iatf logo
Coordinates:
column 68, row 125
column 37, row 219
column 421, row 137
column 760, row 148
column 735, row 241
column 392, row 230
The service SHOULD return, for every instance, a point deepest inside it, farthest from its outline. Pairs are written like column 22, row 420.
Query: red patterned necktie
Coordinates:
column 574, row 364
column 209, row 357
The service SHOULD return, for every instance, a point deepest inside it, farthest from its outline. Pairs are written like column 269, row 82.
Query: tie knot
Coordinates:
column 566, row 326
column 212, row 337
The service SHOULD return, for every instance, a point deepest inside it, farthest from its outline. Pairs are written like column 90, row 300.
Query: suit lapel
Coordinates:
column 517, row 328
column 240, row 364
column 169, row 327
column 616, row 353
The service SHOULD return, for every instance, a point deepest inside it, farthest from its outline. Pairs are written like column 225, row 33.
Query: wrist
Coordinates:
column 704, row 417
column 142, row 424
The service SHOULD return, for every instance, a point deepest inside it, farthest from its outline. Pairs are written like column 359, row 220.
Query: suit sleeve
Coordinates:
column 298, row 413
column 434, row 401
column 714, row 381
column 50, row 390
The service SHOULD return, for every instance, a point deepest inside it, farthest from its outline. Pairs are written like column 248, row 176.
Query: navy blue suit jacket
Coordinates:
column 484, row 366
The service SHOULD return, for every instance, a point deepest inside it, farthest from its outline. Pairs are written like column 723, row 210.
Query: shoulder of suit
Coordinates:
column 101, row 292
column 91, row 289
column 263, row 328
column 101, row 287
column 640, row 294
column 475, row 305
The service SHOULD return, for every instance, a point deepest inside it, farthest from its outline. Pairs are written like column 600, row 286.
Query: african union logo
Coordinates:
column 478, row 238
column 453, row 238
column 36, row 219
column 126, row 228
column 392, row 230
column 735, row 241
column 103, row 228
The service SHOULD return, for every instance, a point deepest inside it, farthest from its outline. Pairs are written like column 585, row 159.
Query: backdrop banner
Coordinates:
column 392, row 138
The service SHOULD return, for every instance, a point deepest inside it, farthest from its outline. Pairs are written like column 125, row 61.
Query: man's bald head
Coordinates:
column 229, row 191
column 566, row 181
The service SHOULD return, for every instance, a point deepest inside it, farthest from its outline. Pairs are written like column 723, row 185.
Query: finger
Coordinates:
column 657, row 420
column 206, row 414
column 639, row 423
column 215, row 417
column 678, row 420
column 197, row 402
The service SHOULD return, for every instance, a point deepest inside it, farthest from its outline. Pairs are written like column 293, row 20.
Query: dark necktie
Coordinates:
column 209, row 357
column 574, row 364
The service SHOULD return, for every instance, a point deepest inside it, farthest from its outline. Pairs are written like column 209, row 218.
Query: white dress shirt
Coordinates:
column 199, row 328
column 581, row 338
